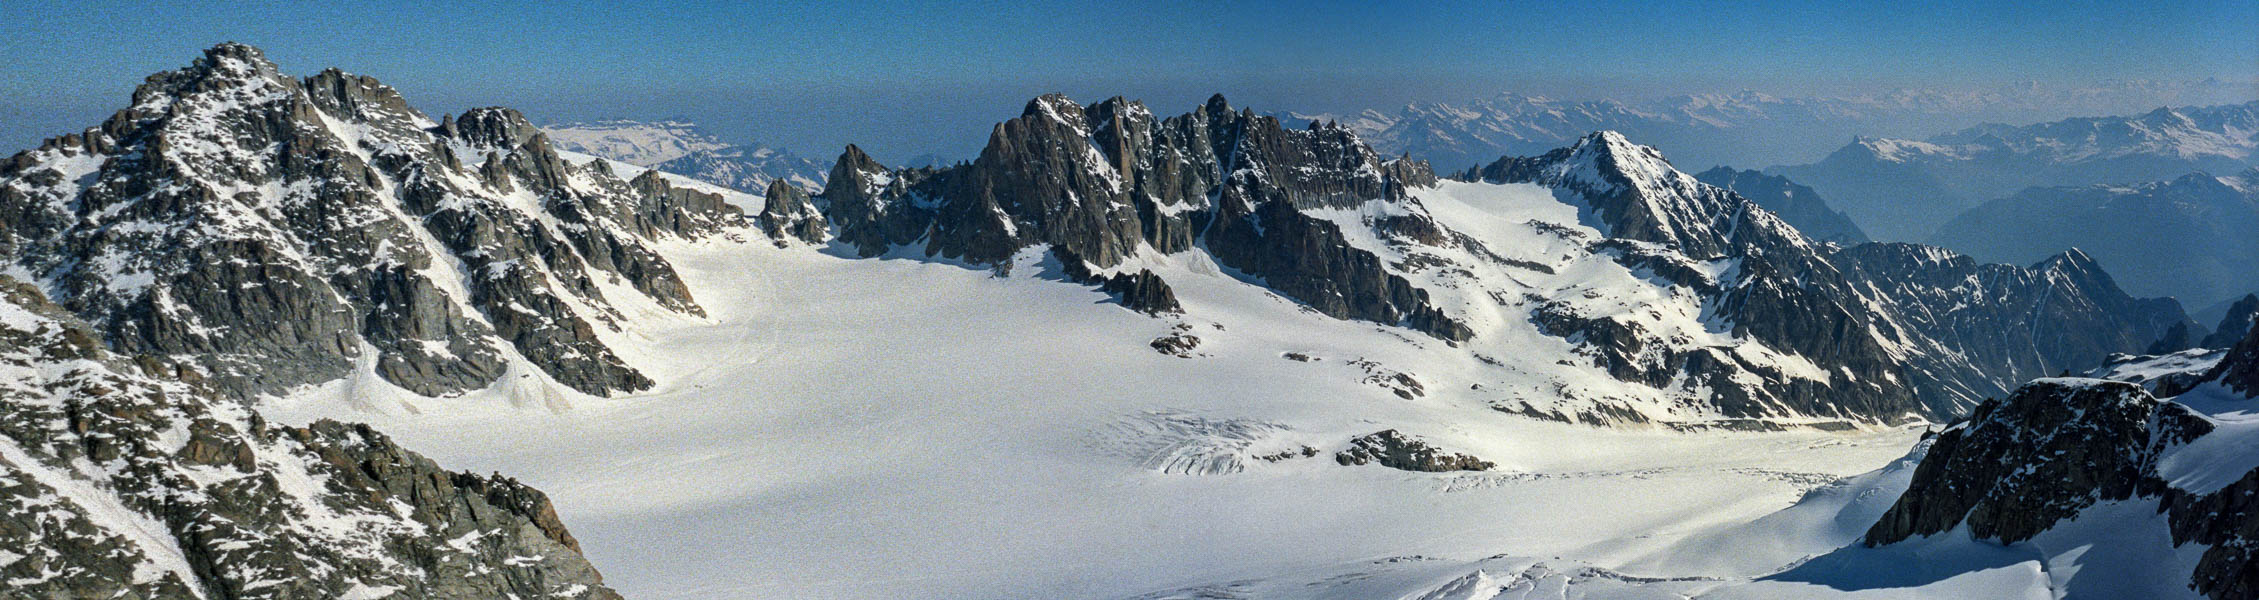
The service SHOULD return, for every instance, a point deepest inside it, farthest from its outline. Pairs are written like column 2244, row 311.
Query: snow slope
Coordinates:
column 849, row 428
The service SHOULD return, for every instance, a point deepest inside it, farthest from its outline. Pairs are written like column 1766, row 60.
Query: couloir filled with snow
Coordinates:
column 904, row 427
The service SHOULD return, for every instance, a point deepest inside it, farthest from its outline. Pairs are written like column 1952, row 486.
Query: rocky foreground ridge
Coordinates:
column 118, row 479
column 2056, row 449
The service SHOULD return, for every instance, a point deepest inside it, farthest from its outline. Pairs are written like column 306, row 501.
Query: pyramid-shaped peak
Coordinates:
column 1636, row 162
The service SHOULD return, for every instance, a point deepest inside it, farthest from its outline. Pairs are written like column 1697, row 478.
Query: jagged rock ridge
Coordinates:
column 1104, row 181
column 1889, row 322
column 120, row 480
column 269, row 232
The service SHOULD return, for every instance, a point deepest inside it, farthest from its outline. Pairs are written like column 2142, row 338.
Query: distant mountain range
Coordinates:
column 1797, row 204
column 1746, row 128
column 640, row 143
column 2195, row 237
column 682, row 148
column 1900, row 189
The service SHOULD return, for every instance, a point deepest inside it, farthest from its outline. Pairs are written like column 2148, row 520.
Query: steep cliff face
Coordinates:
column 122, row 479
column 2020, row 468
column 2048, row 451
column 1975, row 327
column 1105, row 181
column 271, row 231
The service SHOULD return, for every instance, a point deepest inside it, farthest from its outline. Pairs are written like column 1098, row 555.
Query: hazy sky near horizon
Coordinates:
column 905, row 78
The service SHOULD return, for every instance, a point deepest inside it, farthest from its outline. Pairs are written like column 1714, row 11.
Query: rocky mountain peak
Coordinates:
column 1057, row 107
column 231, row 198
column 126, row 479
column 2240, row 320
column 491, row 127
column 1636, row 194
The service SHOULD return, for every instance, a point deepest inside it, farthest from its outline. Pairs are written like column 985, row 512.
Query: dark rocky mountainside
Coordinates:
column 1795, row 203
column 269, row 232
column 1983, row 326
column 2018, row 467
column 1103, row 181
column 2051, row 449
column 120, row 479
column 1102, row 184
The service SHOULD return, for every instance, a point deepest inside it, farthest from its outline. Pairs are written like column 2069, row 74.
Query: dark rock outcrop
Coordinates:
column 122, row 479
column 1104, row 180
column 787, row 214
column 2239, row 369
column 2048, row 451
column 272, row 230
column 1394, row 450
column 2236, row 324
column 2019, row 466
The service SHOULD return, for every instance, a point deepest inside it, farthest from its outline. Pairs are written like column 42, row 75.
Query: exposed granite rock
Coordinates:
column 787, row 214
column 271, row 230
column 873, row 207
column 2018, row 466
column 1105, row 180
column 1178, row 343
column 2227, row 522
column 1142, row 291
column 121, row 483
column 2060, row 314
column 2048, row 451
column 1394, row 450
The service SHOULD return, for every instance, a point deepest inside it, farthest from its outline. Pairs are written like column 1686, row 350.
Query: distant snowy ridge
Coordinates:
column 640, row 143
column 1900, row 189
column 1744, row 128
column 682, row 148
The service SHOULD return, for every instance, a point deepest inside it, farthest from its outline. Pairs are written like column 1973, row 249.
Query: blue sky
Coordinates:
column 905, row 78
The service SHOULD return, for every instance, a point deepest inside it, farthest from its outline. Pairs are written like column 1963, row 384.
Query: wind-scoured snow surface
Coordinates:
column 850, row 428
